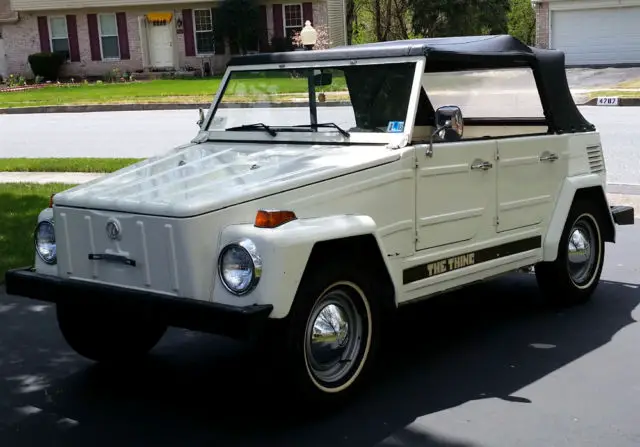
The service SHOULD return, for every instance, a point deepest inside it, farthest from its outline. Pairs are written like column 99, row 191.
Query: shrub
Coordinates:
column 46, row 64
column 281, row 44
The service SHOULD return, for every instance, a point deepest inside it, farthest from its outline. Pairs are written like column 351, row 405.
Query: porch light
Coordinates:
column 308, row 35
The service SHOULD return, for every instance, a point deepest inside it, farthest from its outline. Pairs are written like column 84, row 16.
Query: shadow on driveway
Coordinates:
column 488, row 341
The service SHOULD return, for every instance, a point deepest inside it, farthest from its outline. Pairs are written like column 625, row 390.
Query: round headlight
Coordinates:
column 240, row 267
column 45, row 240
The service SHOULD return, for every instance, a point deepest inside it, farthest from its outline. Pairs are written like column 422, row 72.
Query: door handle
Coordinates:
column 479, row 164
column 549, row 157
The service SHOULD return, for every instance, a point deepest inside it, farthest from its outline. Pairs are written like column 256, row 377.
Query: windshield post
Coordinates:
column 313, row 110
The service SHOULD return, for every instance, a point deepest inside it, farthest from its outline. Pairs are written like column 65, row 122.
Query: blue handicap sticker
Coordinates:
column 395, row 126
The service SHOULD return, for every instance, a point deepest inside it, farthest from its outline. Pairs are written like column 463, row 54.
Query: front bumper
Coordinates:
column 236, row 322
column 622, row 214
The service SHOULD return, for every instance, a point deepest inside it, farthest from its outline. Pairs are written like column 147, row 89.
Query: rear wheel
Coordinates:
column 574, row 275
column 106, row 335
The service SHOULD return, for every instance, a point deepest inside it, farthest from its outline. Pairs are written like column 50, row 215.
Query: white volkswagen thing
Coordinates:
column 326, row 188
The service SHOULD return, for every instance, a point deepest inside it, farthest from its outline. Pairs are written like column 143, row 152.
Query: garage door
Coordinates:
column 597, row 36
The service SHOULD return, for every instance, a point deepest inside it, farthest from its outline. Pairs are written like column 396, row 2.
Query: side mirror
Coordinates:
column 449, row 126
column 449, row 123
column 200, row 117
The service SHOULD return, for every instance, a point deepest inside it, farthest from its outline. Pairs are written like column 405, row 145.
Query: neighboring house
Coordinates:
column 137, row 35
column 590, row 32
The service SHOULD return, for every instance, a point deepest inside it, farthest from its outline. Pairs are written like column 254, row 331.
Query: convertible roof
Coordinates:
column 461, row 53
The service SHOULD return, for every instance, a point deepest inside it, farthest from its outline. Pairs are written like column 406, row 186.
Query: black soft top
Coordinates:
column 461, row 53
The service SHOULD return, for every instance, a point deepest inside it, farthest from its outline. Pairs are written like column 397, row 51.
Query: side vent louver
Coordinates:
column 596, row 161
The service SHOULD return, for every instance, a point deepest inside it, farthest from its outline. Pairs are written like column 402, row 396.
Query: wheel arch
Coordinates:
column 587, row 188
column 363, row 247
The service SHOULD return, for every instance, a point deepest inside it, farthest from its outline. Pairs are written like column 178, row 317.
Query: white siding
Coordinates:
column 336, row 15
column 597, row 36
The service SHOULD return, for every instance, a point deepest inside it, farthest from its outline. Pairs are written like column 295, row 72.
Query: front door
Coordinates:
column 456, row 190
column 530, row 174
column 160, row 45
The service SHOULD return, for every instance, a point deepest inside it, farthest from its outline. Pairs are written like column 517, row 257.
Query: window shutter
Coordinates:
column 187, row 24
column 307, row 13
column 264, row 33
column 218, row 39
column 278, row 24
column 94, row 37
column 43, row 30
column 72, row 29
column 123, row 35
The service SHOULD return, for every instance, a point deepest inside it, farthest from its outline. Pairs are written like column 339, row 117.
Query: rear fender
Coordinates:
column 583, row 186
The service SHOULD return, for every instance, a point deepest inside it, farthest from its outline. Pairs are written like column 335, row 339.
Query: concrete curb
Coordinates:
column 633, row 102
column 43, row 178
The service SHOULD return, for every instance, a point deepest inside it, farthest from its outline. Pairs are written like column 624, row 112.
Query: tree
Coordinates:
column 441, row 18
column 522, row 21
column 239, row 21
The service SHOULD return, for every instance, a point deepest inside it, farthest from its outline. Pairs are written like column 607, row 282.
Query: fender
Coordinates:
column 565, row 199
column 285, row 251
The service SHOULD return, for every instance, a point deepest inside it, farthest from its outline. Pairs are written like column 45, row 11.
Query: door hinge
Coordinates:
column 497, row 221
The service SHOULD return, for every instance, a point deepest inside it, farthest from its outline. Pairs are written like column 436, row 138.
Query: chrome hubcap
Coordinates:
column 582, row 252
column 333, row 337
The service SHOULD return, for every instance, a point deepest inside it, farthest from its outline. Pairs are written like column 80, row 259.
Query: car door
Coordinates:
column 455, row 193
column 530, row 173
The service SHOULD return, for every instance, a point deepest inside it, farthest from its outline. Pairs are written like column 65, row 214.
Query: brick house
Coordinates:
column 142, row 35
column 590, row 32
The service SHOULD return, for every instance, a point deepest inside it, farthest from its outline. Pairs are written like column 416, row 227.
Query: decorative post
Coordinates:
column 308, row 36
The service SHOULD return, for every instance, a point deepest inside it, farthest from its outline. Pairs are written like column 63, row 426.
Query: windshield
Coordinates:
column 343, row 99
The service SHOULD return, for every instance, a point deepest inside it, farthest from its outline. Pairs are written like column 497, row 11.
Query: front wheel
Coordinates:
column 333, row 334
column 574, row 275
column 106, row 335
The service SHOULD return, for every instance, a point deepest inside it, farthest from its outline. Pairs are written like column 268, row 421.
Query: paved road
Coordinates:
column 142, row 134
column 489, row 367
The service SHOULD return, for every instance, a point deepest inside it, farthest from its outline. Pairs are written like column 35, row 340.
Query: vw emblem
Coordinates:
column 113, row 229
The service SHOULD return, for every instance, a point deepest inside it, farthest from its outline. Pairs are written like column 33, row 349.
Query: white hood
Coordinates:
column 200, row 178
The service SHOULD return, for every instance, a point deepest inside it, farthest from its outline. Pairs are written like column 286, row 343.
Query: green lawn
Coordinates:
column 158, row 91
column 20, row 205
column 614, row 93
column 64, row 164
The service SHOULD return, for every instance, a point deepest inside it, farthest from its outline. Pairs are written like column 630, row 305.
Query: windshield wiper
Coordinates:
column 254, row 126
column 334, row 125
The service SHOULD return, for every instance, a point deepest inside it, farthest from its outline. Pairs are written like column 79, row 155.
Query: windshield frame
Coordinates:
column 332, row 136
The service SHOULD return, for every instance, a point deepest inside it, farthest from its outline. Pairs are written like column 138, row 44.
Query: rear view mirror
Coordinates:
column 323, row 79
column 200, row 118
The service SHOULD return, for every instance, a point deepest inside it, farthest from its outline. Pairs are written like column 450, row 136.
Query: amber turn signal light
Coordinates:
column 273, row 219
column 51, row 201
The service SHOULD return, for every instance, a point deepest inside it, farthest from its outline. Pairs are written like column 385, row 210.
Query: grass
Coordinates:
column 615, row 93
column 97, row 165
column 20, row 205
column 190, row 91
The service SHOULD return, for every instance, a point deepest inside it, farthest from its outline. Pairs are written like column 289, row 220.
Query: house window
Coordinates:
column 59, row 36
column 203, row 29
column 292, row 19
column 109, row 43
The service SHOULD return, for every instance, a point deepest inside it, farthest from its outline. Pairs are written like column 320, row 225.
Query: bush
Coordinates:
column 281, row 44
column 46, row 65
